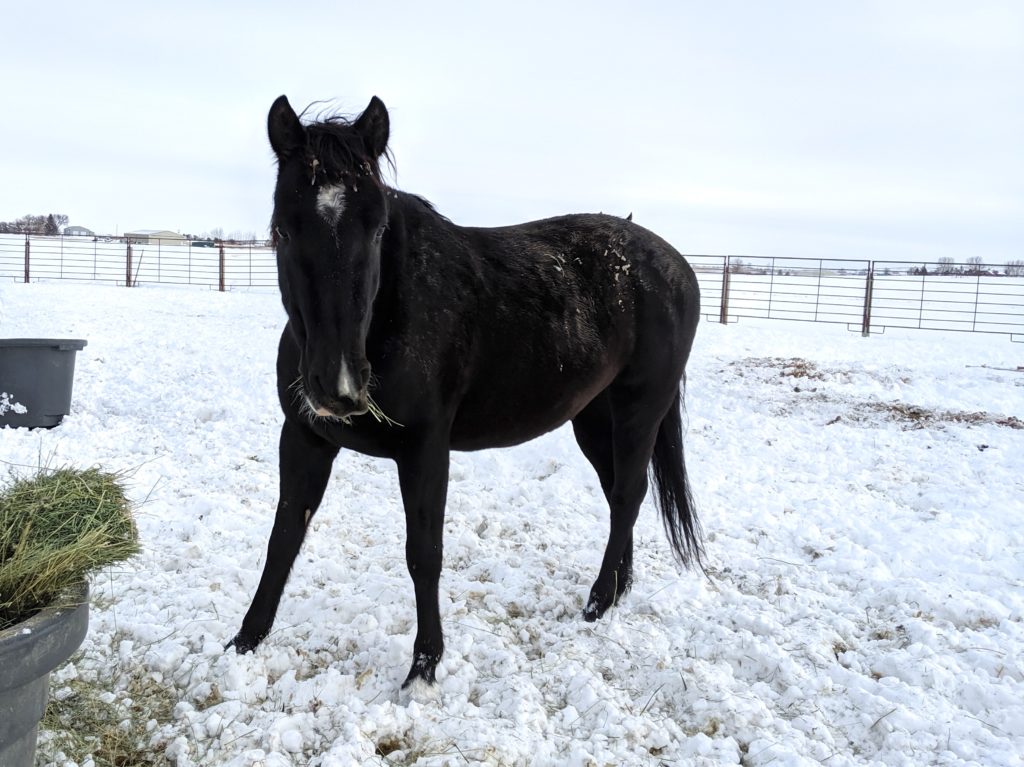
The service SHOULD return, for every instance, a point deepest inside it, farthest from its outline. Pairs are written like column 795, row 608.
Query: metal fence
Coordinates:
column 865, row 296
column 129, row 262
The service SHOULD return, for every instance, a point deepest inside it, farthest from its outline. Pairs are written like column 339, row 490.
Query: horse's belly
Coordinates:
column 542, row 366
column 510, row 415
column 481, row 434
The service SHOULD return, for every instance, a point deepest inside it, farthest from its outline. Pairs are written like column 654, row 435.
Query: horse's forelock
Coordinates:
column 339, row 151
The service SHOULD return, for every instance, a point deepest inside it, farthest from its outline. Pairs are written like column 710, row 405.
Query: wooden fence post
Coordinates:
column 723, row 314
column 869, row 287
column 220, row 268
column 26, row 258
column 128, row 265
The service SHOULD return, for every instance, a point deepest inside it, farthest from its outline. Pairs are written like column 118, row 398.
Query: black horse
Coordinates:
column 409, row 337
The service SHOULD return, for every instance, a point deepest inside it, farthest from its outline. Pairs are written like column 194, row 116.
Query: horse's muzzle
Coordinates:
column 341, row 406
column 323, row 403
column 337, row 394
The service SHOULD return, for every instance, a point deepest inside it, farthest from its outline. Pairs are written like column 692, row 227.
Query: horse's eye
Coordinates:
column 281, row 233
column 379, row 234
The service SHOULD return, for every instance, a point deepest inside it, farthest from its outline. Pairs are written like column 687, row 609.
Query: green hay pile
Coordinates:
column 55, row 528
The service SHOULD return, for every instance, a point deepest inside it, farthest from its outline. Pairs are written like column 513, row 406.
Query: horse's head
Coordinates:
column 330, row 210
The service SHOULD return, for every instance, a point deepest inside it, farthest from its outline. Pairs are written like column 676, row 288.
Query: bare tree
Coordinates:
column 31, row 224
column 974, row 265
column 945, row 265
column 1015, row 268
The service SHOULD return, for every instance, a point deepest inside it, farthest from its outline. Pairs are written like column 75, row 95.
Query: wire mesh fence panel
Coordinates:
column 815, row 290
column 46, row 258
column 947, row 296
column 1000, row 305
column 12, row 256
column 250, row 267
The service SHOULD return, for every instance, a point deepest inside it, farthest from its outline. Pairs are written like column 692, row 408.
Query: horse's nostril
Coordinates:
column 346, row 404
column 314, row 386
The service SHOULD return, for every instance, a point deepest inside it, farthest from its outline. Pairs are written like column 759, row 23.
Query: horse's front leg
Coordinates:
column 423, row 476
column 305, row 468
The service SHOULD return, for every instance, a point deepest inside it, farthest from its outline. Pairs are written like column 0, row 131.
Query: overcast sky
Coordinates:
column 881, row 130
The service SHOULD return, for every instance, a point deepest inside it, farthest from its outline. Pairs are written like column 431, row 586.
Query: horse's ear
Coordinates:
column 375, row 127
column 287, row 135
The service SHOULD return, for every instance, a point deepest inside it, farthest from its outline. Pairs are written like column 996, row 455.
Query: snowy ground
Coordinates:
column 862, row 498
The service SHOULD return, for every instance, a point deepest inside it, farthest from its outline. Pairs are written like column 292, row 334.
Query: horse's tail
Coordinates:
column 673, row 489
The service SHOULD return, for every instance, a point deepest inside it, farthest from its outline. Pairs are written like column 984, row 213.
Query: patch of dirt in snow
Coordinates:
column 773, row 371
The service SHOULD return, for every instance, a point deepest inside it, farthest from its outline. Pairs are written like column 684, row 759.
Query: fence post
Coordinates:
column 220, row 268
column 869, row 287
column 27, row 248
column 128, row 265
column 723, row 314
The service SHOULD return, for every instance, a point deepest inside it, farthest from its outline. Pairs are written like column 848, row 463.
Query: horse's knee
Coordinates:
column 423, row 559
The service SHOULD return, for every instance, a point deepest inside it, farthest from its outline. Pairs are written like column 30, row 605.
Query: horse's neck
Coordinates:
column 412, row 224
column 411, row 209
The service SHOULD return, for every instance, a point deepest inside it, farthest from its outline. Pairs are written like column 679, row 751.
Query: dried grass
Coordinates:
column 379, row 414
column 108, row 723
column 55, row 528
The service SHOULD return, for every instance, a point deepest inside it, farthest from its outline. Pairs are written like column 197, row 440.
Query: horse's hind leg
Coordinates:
column 592, row 428
column 305, row 467
column 594, row 434
column 635, row 417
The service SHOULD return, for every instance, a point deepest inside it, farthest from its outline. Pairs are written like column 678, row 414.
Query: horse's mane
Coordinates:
column 428, row 205
column 334, row 142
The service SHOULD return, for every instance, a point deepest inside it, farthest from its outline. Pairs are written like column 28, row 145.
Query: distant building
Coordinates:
column 155, row 237
column 78, row 231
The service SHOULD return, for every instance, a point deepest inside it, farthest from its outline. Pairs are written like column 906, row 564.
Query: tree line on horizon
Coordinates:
column 973, row 267
column 49, row 225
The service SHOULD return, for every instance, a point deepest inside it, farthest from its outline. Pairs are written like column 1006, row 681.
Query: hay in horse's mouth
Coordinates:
column 371, row 407
column 376, row 412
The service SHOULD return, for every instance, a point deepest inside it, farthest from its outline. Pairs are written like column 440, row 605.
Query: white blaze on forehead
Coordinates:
column 330, row 202
column 346, row 383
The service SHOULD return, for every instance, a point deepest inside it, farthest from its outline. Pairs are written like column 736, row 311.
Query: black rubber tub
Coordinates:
column 29, row 651
column 36, row 378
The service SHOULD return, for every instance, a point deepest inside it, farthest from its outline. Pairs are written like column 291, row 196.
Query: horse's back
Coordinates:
column 598, row 234
column 594, row 256
column 566, row 305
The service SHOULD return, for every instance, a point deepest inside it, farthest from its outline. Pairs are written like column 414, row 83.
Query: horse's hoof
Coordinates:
column 602, row 598
column 596, row 607
column 424, row 668
column 242, row 644
column 420, row 691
